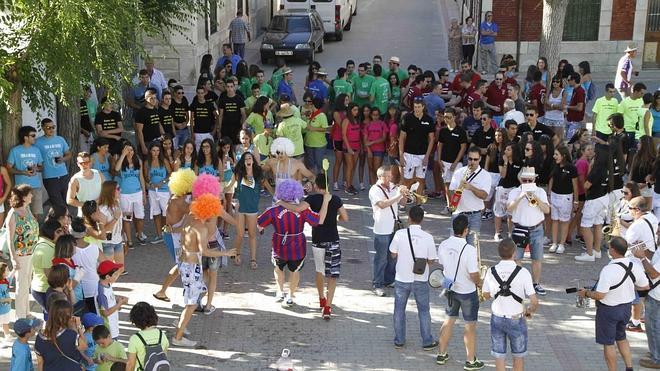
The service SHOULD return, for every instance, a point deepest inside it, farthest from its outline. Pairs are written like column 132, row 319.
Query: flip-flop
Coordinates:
column 253, row 264
column 163, row 298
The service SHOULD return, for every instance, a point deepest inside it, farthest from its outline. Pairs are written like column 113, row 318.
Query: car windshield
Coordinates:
column 290, row 24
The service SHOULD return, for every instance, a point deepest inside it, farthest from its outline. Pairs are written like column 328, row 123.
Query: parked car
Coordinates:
column 296, row 33
column 337, row 15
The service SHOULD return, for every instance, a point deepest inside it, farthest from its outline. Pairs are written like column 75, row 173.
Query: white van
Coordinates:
column 337, row 15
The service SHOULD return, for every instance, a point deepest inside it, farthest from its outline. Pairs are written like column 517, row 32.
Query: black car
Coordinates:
column 294, row 33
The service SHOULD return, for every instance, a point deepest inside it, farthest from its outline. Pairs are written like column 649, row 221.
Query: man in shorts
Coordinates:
column 416, row 145
column 289, row 243
column 452, row 144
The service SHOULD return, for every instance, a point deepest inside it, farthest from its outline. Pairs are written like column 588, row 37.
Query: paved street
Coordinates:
column 249, row 330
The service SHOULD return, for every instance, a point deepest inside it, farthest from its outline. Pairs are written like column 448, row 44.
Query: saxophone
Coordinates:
column 614, row 228
column 458, row 193
column 483, row 269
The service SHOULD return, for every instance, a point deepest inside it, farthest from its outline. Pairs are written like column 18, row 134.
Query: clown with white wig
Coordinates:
column 282, row 166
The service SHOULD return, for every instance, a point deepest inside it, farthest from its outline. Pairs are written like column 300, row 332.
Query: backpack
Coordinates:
column 155, row 358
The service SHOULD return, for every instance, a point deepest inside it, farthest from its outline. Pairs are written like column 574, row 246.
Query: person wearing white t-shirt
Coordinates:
column 624, row 72
column 384, row 197
column 528, row 205
column 652, row 304
column 643, row 230
column 461, row 267
column 87, row 256
column 509, row 284
column 476, row 186
column 403, row 244
column 614, row 293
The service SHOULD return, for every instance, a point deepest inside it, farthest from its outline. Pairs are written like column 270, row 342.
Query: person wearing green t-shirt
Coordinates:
column 108, row 351
column 362, row 86
column 144, row 317
column 630, row 106
column 315, row 140
column 249, row 101
column 341, row 85
column 291, row 127
column 350, row 71
column 265, row 88
column 278, row 73
column 603, row 108
column 264, row 140
column 260, row 115
column 42, row 257
column 395, row 89
column 379, row 95
column 394, row 63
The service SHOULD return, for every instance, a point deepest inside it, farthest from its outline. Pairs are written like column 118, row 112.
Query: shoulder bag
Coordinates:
column 419, row 266
column 397, row 222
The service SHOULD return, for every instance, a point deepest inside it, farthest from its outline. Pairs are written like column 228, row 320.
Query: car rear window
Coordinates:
column 323, row 1
column 290, row 24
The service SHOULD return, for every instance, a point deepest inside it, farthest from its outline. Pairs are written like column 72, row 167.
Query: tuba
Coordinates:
column 483, row 269
column 458, row 193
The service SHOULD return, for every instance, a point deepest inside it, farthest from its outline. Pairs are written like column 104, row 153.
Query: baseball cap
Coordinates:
column 395, row 59
column 23, row 325
column 107, row 266
column 91, row 319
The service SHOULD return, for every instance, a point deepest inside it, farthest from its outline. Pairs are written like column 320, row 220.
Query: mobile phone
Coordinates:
column 108, row 236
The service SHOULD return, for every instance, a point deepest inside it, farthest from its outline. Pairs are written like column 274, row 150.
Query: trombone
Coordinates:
column 483, row 269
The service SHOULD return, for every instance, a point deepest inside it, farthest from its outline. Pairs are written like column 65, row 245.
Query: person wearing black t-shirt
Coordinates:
column 325, row 243
column 484, row 135
column 232, row 112
column 166, row 113
column 492, row 158
column 109, row 125
column 452, row 144
column 510, row 165
column 416, row 141
column 563, row 186
column 147, row 122
column 181, row 116
column 597, row 187
column 203, row 118
column 536, row 128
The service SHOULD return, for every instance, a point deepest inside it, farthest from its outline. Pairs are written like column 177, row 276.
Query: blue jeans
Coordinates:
column 181, row 136
column 239, row 49
column 384, row 264
column 474, row 225
column 535, row 244
column 652, row 318
column 402, row 291
column 314, row 158
column 515, row 330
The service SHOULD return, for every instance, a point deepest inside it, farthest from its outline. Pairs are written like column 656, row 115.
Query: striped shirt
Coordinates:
column 238, row 30
column 289, row 242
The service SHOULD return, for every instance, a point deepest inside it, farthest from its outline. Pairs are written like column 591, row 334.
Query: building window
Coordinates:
column 213, row 16
column 582, row 20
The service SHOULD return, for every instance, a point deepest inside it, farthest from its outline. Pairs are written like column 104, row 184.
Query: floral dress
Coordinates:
column 26, row 233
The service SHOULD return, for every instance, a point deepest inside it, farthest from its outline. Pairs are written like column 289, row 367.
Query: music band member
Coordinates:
column 652, row 303
column 614, row 293
column 474, row 182
column 508, row 284
column 528, row 205
column 643, row 230
column 460, row 264
column 452, row 144
column 416, row 144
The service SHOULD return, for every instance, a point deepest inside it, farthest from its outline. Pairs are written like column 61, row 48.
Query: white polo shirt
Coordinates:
column 470, row 202
column 639, row 231
column 612, row 274
column 521, row 285
column 448, row 253
column 655, row 261
column 423, row 246
column 526, row 215
column 383, row 218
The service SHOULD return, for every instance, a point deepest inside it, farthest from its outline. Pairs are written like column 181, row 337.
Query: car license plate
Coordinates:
column 283, row 52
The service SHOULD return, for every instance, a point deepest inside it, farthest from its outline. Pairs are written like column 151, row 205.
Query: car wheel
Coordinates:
column 321, row 46
column 348, row 25
column 339, row 35
column 264, row 60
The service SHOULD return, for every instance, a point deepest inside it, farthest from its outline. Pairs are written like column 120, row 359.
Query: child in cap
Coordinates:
column 109, row 353
column 89, row 322
column 108, row 303
column 264, row 140
column 5, row 304
column 21, row 357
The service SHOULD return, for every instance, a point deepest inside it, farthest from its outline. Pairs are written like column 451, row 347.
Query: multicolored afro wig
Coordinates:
column 206, row 183
column 181, row 181
column 282, row 145
column 290, row 191
column 206, row 206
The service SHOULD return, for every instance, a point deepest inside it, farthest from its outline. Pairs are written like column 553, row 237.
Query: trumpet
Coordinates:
column 531, row 199
column 483, row 269
column 418, row 198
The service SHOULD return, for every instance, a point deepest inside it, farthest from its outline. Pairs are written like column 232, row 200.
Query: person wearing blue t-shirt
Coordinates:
column 317, row 86
column 434, row 101
column 21, row 357
column 488, row 31
column 55, row 153
column 228, row 55
column 26, row 163
column 286, row 86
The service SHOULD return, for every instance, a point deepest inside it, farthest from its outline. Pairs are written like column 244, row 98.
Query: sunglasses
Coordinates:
column 556, row 81
column 33, row 135
column 499, row 79
column 308, row 101
column 528, row 149
column 634, row 208
column 83, row 162
column 527, row 180
column 484, row 119
column 530, row 114
column 473, row 159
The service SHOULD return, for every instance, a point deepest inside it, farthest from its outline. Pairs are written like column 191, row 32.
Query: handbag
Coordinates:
column 397, row 222
column 419, row 267
column 520, row 236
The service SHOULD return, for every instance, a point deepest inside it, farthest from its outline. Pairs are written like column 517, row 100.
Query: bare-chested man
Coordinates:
column 194, row 245
column 282, row 166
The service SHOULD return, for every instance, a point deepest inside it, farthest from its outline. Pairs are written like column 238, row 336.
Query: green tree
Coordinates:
column 54, row 47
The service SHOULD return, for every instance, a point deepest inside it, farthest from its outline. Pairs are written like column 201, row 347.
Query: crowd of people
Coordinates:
column 497, row 148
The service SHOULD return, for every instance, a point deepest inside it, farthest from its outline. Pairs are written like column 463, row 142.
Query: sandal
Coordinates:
column 237, row 259
column 163, row 298
column 253, row 264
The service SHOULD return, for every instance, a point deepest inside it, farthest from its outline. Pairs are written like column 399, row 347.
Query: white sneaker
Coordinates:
column 553, row 248
column 335, row 187
column 280, row 297
column 560, row 248
column 497, row 237
column 362, row 187
column 597, row 254
column 184, row 342
column 584, row 257
column 546, row 240
column 176, row 326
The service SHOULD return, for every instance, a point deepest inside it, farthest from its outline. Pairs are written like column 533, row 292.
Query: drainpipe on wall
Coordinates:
column 208, row 27
column 519, row 32
column 477, row 48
